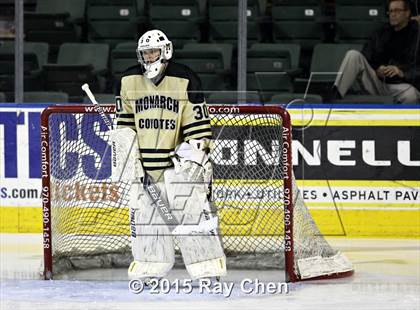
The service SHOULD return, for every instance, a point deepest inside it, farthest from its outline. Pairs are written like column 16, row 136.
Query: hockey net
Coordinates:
column 264, row 223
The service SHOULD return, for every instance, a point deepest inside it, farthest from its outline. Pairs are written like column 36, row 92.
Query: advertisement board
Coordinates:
column 358, row 167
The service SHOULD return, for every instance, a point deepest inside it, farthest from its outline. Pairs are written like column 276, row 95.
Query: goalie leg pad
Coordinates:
column 210, row 268
column 125, row 165
column 192, row 207
column 151, row 241
column 142, row 270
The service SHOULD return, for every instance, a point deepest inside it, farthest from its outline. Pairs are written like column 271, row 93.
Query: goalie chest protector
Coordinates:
column 163, row 115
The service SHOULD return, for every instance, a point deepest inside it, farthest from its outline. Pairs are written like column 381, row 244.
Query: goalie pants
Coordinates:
column 152, row 242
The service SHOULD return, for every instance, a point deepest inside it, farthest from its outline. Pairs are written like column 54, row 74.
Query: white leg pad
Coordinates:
column 211, row 268
column 124, row 155
column 151, row 241
column 140, row 270
column 190, row 201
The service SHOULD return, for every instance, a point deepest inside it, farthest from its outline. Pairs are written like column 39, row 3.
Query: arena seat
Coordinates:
column 181, row 20
column 297, row 22
column 35, row 56
column 45, row 97
column 211, row 62
column 231, row 97
column 55, row 22
column 115, row 21
column 223, row 21
column 325, row 64
column 101, row 98
column 78, row 63
column 327, row 58
column 75, row 8
column 123, row 56
column 293, row 49
column 357, row 20
column 298, row 98
column 271, row 68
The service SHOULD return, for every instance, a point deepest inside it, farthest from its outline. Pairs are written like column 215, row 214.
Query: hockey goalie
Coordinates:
column 160, row 104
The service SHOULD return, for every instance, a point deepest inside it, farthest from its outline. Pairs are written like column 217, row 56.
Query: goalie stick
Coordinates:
column 152, row 190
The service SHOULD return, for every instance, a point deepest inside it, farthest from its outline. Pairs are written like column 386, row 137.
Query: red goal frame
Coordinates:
column 286, row 159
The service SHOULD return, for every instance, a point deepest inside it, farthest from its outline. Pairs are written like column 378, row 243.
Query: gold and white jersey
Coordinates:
column 163, row 115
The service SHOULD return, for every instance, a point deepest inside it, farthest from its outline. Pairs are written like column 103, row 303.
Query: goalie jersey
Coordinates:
column 163, row 115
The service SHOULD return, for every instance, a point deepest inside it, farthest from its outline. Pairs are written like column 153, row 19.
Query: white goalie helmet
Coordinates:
column 154, row 39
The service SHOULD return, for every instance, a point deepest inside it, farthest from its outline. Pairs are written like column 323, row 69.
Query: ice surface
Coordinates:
column 387, row 277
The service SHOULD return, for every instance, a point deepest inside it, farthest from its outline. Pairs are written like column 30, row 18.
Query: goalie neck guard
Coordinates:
column 154, row 39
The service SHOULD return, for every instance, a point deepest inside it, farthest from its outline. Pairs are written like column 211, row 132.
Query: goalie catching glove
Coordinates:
column 191, row 159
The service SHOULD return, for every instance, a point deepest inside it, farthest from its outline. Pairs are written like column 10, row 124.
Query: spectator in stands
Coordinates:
column 389, row 62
